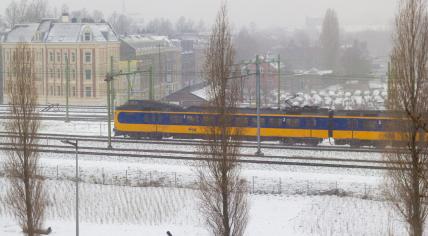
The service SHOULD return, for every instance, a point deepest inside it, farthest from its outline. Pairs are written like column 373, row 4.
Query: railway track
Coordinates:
column 307, row 161
column 76, row 113
column 61, row 117
column 185, row 142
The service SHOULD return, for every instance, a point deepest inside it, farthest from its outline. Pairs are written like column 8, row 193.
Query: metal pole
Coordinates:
column 67, row 88
column 151, row 95
column 279, row 82
column 160, row 77
column 129, row 82
column 259, row 152
column 112, row 94
column 108, row 79
column 77, row 189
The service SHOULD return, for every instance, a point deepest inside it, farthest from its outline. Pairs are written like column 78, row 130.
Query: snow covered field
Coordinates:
column 133, row 196
column 116, row 210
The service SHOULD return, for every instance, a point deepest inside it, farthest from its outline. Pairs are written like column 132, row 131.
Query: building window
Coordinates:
column 58, row 91
column 51, row 57
column 58, row 57
column 66, row 57
column 58, row 73
column 51, row 73
column 88, row 92
column 169, row 78
column 87, row 36
column 73, row 89
column 51, row 90
column 88, row 58
column 88, row 74
column 73, row 57
column 73, row 74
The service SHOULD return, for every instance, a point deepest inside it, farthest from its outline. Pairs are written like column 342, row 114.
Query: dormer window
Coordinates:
column 87, row 36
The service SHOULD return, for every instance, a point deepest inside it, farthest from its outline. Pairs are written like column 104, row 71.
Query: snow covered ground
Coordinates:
column 132, row 196
column 117, row 210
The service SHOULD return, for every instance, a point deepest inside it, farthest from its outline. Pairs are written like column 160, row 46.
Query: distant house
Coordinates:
column 194, row 95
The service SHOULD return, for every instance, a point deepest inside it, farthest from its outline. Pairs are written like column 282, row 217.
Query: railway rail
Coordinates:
column 187, row 142
column 306, row 161
column 61, row 117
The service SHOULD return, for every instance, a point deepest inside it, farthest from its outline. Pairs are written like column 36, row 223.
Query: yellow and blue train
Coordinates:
column 149, row 119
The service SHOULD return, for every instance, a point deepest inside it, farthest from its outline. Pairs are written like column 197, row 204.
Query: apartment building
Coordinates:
column 82, row 52
column 159, row 54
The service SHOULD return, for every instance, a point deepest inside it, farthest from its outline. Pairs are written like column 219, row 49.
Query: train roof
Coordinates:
column 147, row 105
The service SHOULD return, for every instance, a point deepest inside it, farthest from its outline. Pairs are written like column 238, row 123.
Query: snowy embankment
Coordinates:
column 133, row 196
column 117, row 210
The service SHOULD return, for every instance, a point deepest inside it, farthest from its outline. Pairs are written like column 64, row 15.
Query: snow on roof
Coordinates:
column 61, row 32
column 64, row 32
column 147, row 41
column 72, row 32
column 202, row 93
column 22, row 33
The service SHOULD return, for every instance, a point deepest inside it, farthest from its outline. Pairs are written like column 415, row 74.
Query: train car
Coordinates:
column 149, row 119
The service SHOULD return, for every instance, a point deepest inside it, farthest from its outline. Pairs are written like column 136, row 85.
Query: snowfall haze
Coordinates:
column 265, row 14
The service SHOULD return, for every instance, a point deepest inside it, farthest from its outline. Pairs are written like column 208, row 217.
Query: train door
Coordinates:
column 330, row 123
column 157, row 118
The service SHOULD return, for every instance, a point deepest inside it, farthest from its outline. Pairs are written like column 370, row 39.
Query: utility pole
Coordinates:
column 151, row 85
column 160, row 81
column 67, row 87
column 279, row 82
column 112, row 93
column 128, row 79
column 259, row 152
column 76, row 145
column 109, row 78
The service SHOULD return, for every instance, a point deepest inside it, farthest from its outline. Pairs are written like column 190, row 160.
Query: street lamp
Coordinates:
column 75, row 144
column 258, row 152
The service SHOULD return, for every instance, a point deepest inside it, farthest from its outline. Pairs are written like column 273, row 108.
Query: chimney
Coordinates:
column 65, row 18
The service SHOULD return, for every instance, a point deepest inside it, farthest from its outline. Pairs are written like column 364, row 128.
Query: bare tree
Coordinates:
column 329, row 40
column 26, row 195
column 24, row 12
column 121, row 23
column 406, row 183
column 223, row 192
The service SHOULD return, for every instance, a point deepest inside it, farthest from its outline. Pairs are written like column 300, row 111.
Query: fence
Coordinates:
column 255, row 184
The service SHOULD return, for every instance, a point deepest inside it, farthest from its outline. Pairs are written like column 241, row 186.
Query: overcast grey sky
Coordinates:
column 264, row 13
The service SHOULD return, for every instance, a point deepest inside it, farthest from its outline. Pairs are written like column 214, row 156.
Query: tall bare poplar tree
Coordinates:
column 223, row 192
column 407, row 184
column 26, row 196
column 329, row 40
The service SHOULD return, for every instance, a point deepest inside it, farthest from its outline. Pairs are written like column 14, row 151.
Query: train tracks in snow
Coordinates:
column 187, row 150
column 196, row 142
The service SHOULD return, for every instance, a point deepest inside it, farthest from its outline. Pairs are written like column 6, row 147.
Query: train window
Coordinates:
column 207, row 120
column 192, row 119
column 292, row 122
column 148, row 118
column 370, row 124
column 241, row 121
column 311, row 123
column 252, row 121
column 351, row 124
column 176, row 119
column 274, row 122
column 262, row 122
